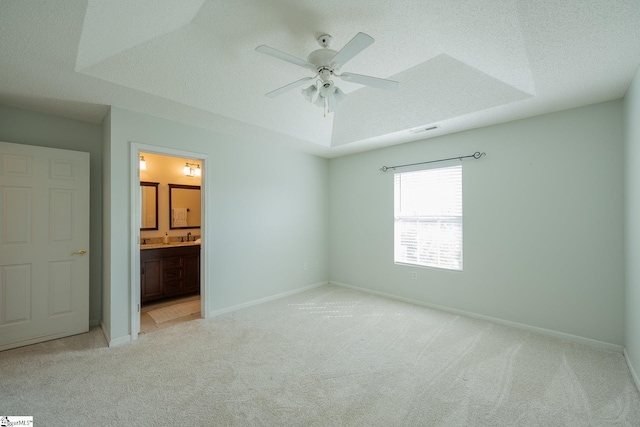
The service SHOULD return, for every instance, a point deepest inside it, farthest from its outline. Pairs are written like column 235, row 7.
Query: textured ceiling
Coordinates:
column 460, row 64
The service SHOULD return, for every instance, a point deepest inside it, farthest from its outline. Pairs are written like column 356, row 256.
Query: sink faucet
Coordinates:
column 188, row 236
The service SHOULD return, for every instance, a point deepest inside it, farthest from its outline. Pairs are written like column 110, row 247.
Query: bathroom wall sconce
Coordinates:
column 192, row 169
column 143, row 164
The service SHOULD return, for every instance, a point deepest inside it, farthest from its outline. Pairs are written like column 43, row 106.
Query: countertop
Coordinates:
column 167, row 245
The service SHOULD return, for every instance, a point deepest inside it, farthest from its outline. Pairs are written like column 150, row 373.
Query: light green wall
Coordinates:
column 543, row 223
column 632, row 222
column 543, row 216
column 27, row 127
column 268, row 215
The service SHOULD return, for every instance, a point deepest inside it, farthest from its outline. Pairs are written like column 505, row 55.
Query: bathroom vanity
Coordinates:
column 168, row 271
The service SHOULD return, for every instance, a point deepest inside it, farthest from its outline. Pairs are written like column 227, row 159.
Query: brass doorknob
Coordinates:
column 80, row 252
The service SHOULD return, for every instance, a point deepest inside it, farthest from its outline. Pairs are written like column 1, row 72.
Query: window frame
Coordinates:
column 432, row 223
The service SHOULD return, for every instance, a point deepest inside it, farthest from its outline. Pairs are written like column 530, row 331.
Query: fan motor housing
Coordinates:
column 322, row 57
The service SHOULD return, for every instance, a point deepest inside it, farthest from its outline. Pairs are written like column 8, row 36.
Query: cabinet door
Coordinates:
column 151, row 279
column 192, row 273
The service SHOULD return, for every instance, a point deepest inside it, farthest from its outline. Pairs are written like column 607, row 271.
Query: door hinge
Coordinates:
column 138, row 308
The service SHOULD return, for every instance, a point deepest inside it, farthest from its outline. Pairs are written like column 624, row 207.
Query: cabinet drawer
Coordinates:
column 172, row 274
column 171, row 286
column 172, row 262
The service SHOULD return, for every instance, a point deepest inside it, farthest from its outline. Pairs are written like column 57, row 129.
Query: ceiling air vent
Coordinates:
column 424, row 129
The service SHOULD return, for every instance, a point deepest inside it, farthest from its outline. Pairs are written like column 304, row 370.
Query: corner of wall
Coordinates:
column 106, row 224
column 634, row 375
column 632, row 226
column 113, row 342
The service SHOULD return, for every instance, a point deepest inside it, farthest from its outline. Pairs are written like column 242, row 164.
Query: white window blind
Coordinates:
column 428, row 217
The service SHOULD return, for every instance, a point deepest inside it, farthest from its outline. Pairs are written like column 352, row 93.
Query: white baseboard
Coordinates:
column 631, row 369
column 548, row 332
column 120, row 340
column 116, row 341
column 105, row 331
column 263, row 300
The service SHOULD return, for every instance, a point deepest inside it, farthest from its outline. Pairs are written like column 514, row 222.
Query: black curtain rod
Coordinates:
column 475, row 155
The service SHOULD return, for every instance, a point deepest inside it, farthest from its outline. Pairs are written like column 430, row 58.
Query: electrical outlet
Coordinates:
column 414, row 275
column 305, row 266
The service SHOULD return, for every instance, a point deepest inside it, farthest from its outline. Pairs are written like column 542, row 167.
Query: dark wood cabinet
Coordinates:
column 150, row 279
column 169, row 272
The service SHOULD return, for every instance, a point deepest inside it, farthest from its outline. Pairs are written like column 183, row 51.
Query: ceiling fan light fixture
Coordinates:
column 325, row 63
column 309, row 93
column 327, row 88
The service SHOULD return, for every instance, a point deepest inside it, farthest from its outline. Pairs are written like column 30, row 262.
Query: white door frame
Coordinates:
column 134, row 279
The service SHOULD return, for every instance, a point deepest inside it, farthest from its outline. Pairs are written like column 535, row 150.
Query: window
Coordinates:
column 428, row 217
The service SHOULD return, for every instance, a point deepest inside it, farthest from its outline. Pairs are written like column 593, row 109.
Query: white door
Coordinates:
column 44, row 242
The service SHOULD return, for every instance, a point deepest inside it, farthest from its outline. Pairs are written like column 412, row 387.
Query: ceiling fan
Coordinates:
column 325, row 63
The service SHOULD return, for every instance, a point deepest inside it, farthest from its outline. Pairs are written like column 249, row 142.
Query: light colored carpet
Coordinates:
column 171, row 312
column 325, row 357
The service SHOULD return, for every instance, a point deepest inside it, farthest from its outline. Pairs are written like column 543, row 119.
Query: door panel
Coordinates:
column 60, row 286
column 16, row 224
column 16, row 292
column 44, row 214
column 61, row 214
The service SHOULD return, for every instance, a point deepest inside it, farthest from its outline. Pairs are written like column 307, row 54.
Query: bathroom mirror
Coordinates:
column 149, row 205
column 184, row 206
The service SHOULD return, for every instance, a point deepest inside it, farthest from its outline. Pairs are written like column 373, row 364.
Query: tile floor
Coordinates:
column 147, row 324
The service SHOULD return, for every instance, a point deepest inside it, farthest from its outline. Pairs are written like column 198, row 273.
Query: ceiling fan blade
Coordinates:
column 351, row 49
column 285, row 57
column 288, row 87
column 370, row 81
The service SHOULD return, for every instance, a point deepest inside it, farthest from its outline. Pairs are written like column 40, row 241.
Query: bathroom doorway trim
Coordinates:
column 134, row 279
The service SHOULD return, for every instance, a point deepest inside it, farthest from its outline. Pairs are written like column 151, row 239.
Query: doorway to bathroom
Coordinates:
column 161, row 314
column 168, row 219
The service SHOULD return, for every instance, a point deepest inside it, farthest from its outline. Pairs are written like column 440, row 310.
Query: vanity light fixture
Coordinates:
column 192, row 169
column 143, row 164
